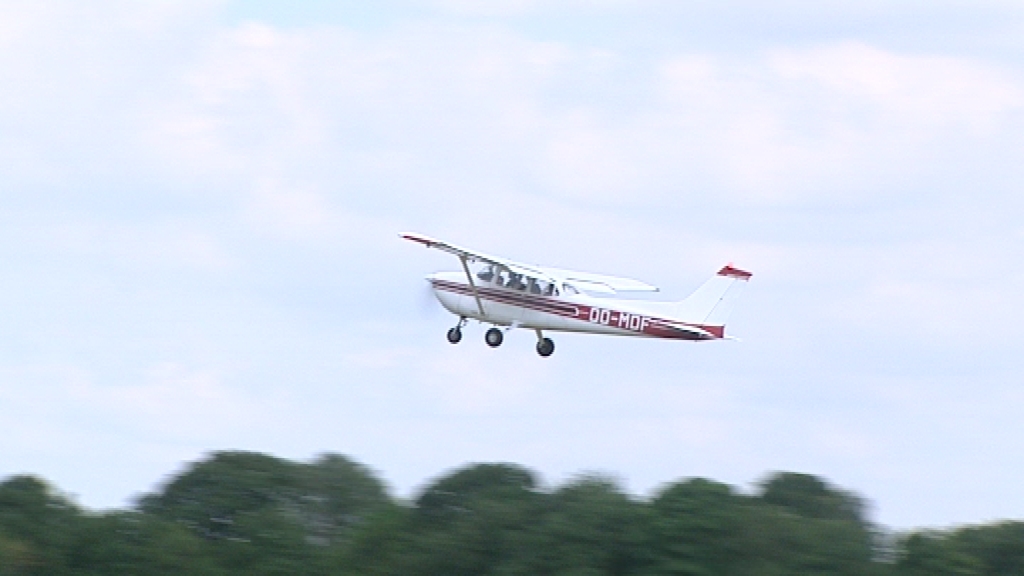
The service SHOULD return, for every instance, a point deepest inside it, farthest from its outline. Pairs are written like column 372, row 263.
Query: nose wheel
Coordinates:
column 455, row 334
column 494, row 337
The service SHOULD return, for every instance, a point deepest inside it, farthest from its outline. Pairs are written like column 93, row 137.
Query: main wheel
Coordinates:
column 493, row 337
column 545, row 347
column 454, row 335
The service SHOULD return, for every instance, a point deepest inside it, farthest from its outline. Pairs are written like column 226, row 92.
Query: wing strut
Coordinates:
column 472, row 284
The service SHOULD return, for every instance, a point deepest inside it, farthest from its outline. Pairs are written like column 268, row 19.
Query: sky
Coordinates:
column 200, row 205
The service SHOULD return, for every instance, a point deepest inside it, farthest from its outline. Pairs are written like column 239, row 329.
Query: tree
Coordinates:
column 998, row 548
column 264, row 515
column 379, row 546
column 36, row 527
column 696, row 529
column 934, row 554
column 588, row 526
column 454, row 495
column 807, row 526
column 810, row 497
column 134, row 544
column 467, row 522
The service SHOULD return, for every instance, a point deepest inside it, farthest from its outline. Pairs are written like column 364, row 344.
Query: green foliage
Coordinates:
column 695, row 529
column 933, row 554
column 453, row 496
column 263, row 515
column 586, row 527
column 779, row 542
column 805, row 526
column 469, row 521
column 998, row 548
column 810, row 497
column 379, row 546
column 246, row 513
column 131, row 543
column 36, row 527
column 975, row 550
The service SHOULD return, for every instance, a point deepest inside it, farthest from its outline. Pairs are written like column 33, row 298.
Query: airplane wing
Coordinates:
column 474, row 256
column 601, row 282
column 584, row 280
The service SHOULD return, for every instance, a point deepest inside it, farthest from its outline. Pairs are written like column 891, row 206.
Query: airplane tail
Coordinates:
column 711, row 304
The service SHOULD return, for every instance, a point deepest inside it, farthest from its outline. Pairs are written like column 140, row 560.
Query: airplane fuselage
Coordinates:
column 564, row 311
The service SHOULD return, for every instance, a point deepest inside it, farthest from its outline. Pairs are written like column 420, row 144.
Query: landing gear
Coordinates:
column 493, row 337
column 455, row 334
column 545, row 347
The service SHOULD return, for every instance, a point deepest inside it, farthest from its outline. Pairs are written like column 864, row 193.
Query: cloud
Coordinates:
column 924, row 90
column 794, row 126
column 167, row 404
column 170, row 402
column 496, row 8
column 395, row 113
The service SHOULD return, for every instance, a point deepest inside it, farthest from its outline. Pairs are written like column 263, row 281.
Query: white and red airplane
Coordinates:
column 504, row 293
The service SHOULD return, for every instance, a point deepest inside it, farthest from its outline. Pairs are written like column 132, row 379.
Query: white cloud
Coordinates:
column 806, row 125
column 167, row 404
column 170, row 402
column 494, row 8
column 149, row 245
column 923, row 90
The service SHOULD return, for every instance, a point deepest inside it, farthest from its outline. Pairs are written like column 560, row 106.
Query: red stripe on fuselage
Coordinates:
column 539, row 303
column 632, row 322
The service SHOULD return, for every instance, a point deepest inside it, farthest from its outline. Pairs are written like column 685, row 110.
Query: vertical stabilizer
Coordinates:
column 714, row 300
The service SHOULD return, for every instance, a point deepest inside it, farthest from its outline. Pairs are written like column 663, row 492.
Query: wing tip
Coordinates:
column 425, row 240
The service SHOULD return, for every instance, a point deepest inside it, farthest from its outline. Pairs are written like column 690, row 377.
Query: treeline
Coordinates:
column 253, row 514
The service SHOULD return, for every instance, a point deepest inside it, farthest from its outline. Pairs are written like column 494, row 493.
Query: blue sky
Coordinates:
column 201, row 204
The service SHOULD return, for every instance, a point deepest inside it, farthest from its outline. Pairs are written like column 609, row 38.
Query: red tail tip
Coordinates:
column 733, row 272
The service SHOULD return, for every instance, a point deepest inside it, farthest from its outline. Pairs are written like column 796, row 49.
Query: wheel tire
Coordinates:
column 454, row 335
column 493, row 337
column 545, row 347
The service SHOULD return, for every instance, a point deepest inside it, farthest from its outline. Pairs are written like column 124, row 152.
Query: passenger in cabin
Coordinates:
column 486, row 274
column 515, row 282
column 549, row 290
column 500, row 278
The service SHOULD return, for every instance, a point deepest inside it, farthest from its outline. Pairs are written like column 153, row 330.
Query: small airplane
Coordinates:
column 510, row 294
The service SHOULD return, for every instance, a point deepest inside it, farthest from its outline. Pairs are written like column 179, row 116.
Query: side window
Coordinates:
column 568, row 289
